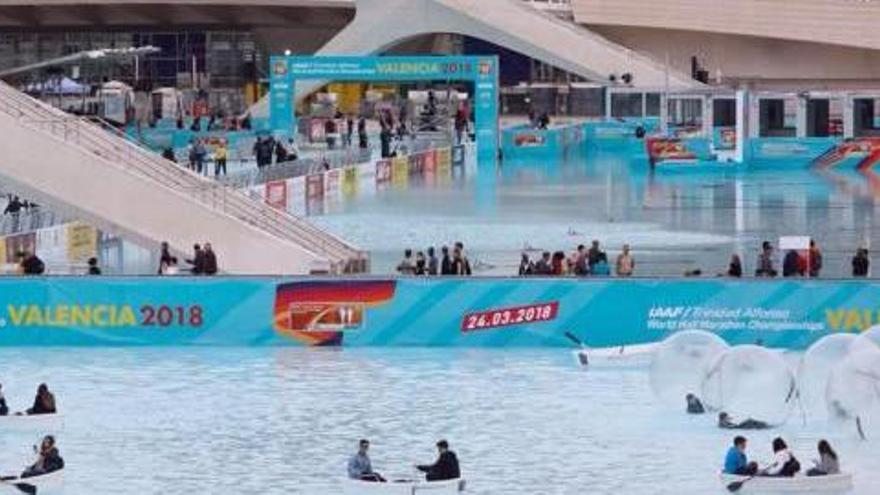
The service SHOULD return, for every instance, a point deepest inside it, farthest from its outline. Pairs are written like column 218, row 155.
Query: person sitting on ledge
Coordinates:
column 725, row 422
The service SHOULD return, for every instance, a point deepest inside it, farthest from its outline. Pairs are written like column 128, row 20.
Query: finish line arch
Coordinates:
column 482, row 71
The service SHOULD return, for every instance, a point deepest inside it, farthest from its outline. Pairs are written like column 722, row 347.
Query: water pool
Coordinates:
column 676, row 221
column 285, row 420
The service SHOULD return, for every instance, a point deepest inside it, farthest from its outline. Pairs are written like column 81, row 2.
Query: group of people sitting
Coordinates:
column 444, row 468
column 456, row 263
column 784, row 463
column 582, row 262
column 44, row 403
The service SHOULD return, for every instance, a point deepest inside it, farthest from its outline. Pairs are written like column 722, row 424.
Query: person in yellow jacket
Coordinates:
column 220, row 154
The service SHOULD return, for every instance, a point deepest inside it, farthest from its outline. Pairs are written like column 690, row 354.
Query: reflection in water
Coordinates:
column 282, row 421
column 676, row 220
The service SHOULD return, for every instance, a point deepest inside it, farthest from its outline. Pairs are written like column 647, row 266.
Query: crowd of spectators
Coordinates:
column 582, row 262
column 795, row 263
column 427, row 263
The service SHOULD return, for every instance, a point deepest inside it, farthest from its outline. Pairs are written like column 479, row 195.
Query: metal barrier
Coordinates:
column 117, row 150
column 315, row 165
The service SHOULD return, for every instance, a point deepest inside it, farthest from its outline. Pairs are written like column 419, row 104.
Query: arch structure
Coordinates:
column 381, row 24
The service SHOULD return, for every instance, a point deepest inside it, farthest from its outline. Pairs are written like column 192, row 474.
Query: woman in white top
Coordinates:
column 784, row 463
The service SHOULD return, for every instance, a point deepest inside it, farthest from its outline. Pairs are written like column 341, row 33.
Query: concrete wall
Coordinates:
column 842, row 22
column 763, row 61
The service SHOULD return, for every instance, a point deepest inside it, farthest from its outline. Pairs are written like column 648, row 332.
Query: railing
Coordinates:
column 119, row 151
column 314, row 165
column 296, row 168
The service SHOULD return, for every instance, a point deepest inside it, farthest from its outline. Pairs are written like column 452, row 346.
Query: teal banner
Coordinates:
column 451, row 312
column 482, row 71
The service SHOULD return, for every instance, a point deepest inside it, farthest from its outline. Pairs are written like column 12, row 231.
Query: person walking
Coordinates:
column 191, row 155
column 200, row 154
column 13, row 209
column 349, row 130
column 363, row 142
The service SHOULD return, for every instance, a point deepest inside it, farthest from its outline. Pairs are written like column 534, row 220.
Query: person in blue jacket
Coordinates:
column 736, row 461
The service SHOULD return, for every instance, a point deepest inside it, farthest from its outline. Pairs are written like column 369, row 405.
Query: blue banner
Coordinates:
column 482, row 71
column 449, row 312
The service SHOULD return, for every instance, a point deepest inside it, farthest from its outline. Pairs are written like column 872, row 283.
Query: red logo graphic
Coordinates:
column 319, row 313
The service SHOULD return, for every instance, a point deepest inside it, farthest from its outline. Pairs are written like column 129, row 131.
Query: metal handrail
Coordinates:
column 116, row 148
column 178, row 181
column 200, row 183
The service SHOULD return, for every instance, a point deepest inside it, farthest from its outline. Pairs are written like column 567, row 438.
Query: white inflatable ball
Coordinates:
column 751, row 382
column 815, row 368
column 853, row 390
column 869, row 336
column 680, row 363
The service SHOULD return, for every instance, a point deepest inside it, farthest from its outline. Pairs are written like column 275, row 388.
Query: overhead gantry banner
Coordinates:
column 481, row 71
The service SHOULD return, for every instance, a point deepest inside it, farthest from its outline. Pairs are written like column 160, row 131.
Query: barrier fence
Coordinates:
column 446, row 312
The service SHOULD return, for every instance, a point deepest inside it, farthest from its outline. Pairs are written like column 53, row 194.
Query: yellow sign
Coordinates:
column 444, row 161
column 82, row 242
column 349, row 181
column 400, row 171
column 349, row 96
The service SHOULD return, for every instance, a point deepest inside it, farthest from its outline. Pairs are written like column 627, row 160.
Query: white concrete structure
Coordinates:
column 763, row 44
column 811, row 44
column 380, row 24
column 71, row 165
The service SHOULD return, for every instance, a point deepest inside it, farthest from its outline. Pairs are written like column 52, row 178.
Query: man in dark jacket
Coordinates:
column 198, row 260
column 790, row 265
column 446, row 262
column 31, row 264
column 210, row 260
column 861, row 263
column 446, row 467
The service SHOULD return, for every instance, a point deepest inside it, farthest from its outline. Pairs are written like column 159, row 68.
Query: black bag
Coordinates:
column 791, row 468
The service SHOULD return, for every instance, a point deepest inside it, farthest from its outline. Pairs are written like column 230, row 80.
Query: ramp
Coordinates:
column 72, row 165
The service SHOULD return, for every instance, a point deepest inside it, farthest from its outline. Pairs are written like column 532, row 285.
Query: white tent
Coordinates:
column 65, row 86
